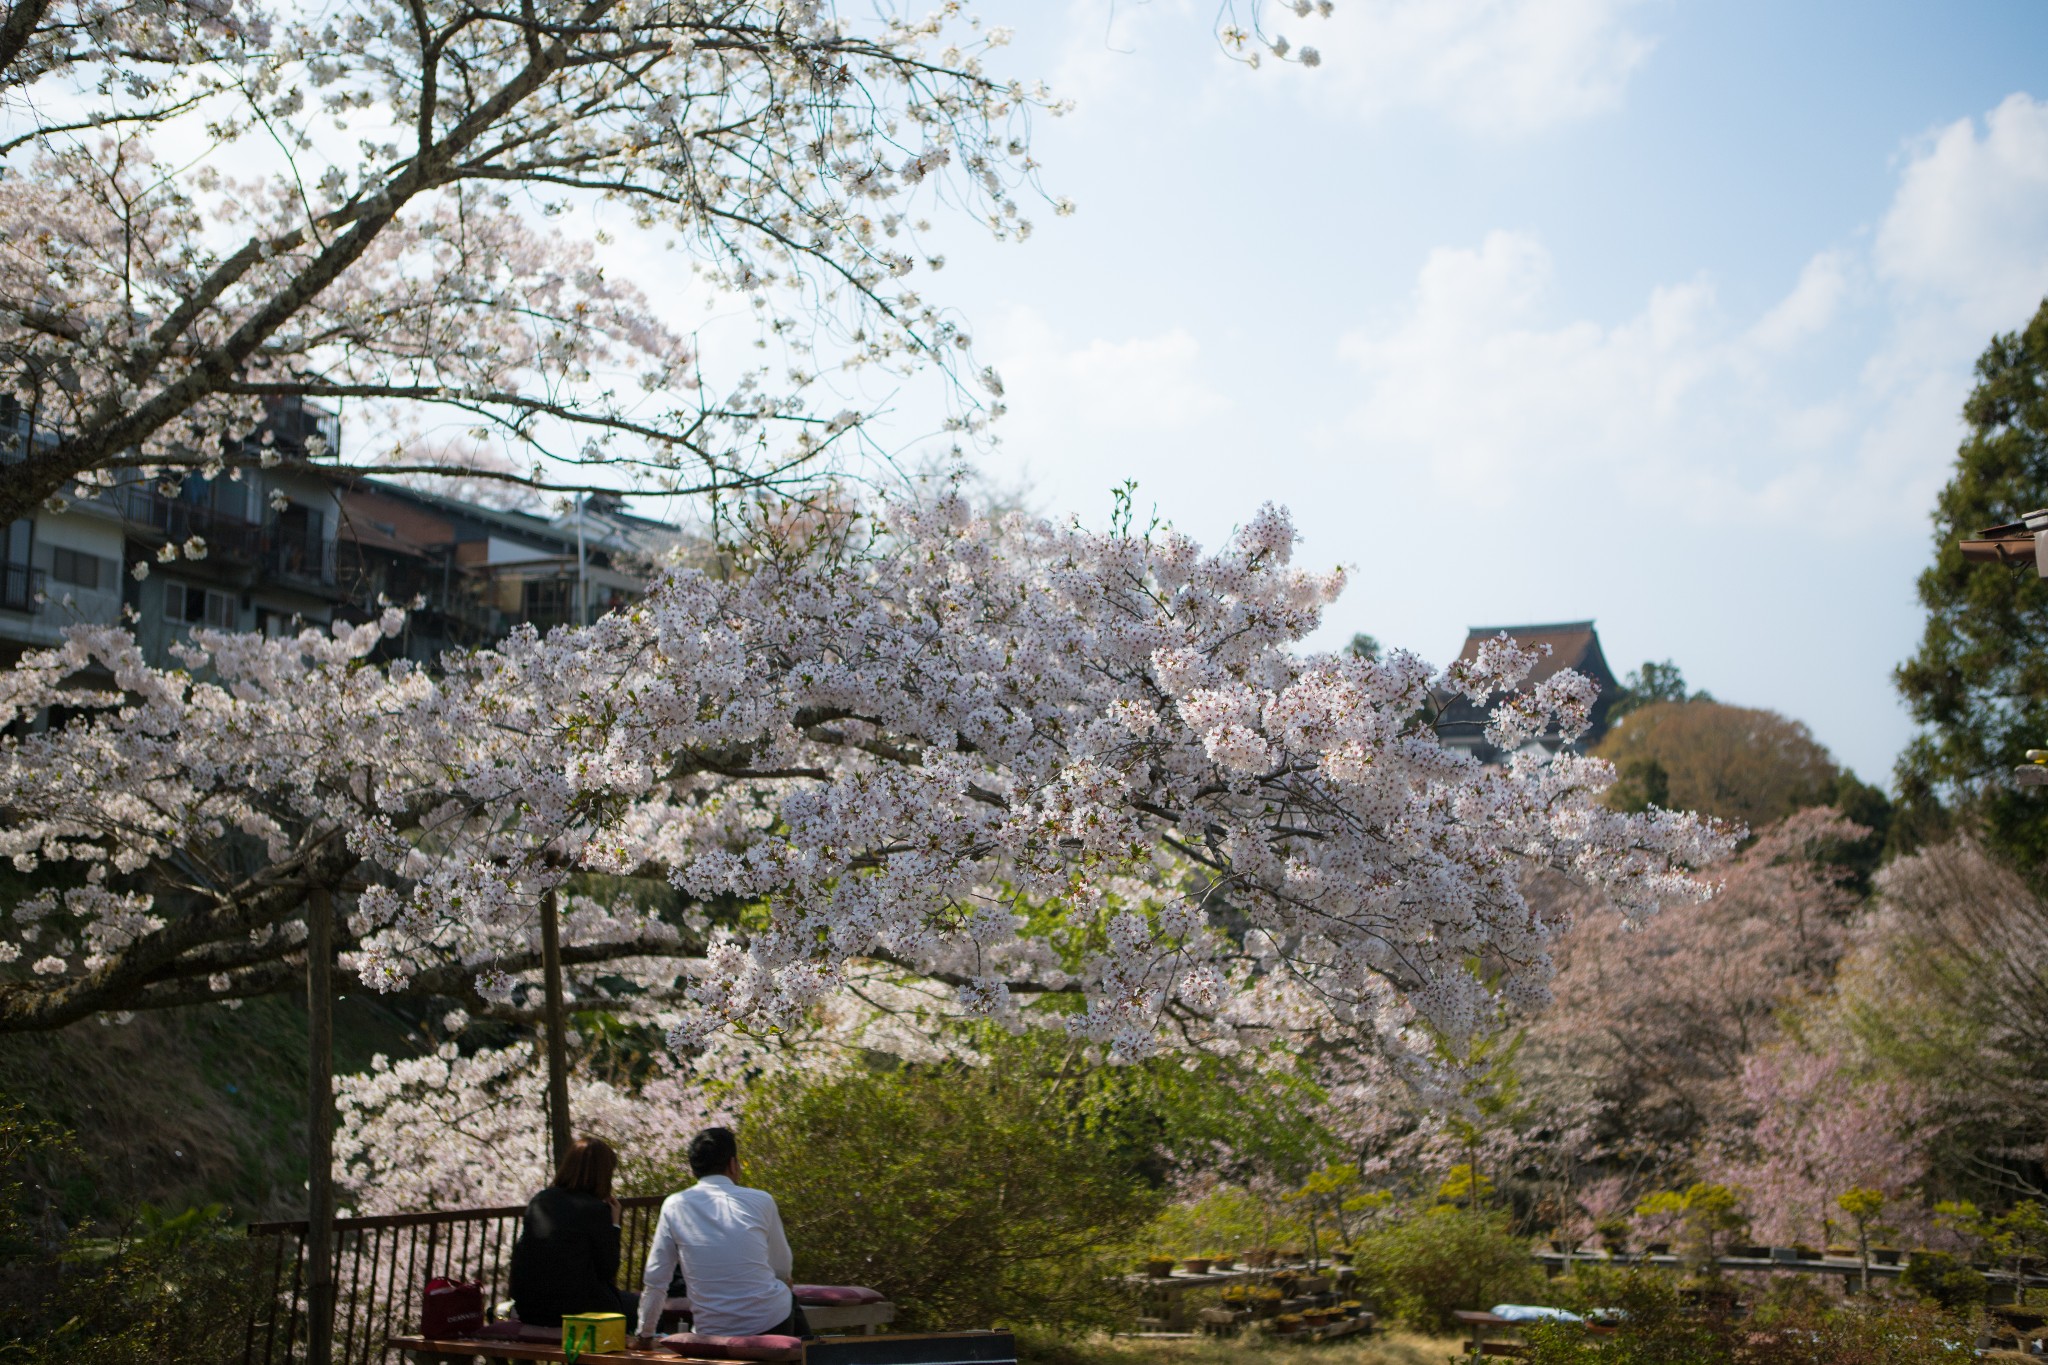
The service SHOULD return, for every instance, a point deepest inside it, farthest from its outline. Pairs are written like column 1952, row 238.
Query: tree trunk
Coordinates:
column 319, row 1128
column 557, row 1043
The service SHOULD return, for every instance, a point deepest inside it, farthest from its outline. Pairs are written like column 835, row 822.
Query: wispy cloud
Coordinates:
column 1499, row 67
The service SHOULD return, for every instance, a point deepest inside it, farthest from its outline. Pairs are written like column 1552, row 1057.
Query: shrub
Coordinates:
column 1943, row 1280
column 1424, row 1268
column 971, row 1195
column 163, row 1288
column 1657, row 1326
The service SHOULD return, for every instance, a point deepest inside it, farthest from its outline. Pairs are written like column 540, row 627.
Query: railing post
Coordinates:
column 320, row 1128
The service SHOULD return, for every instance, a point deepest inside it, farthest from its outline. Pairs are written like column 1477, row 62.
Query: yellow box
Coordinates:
column 592, row 1333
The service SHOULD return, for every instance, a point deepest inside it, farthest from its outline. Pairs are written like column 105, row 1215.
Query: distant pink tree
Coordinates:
column 1817, row 1126
column 1658, row 1017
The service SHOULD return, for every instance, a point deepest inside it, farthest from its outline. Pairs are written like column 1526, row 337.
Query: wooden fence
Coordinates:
column 381, row 1265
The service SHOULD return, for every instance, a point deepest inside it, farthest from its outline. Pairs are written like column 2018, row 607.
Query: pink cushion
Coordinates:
column 735, row 1348
column 512, row 1329
column 836, row 1295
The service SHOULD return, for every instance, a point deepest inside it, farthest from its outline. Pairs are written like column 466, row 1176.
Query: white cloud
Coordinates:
column 1104, row 386
column 1496, row 66
column 1844, row 394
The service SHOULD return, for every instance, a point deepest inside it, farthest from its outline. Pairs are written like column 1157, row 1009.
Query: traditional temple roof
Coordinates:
column 1572, row 644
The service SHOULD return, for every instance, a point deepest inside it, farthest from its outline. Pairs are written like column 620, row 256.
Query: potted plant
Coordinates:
column 1222, row 1260
column 1158, row 1267
column 1287, row 1324
column 1614, row 1236
column 1196, row 1265
column 1258, row 1258
column 1658, row 1248
column 1885, row 1255
column 1351, row 1308
column 1805, row 1252
column 1266, row 1301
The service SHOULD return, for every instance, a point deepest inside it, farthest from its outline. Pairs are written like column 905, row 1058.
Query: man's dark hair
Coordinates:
column 711, row 1151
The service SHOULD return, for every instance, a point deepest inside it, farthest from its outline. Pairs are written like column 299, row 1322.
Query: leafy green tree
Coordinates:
column 1648, row 685
column 1978, row 685
column 1363, row 646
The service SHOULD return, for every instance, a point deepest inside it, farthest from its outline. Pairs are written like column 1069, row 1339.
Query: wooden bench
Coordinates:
column 824, row 1318
column 892, row 1348
column 1483, row 1326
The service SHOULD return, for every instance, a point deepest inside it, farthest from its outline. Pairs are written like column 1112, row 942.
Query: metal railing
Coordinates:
column 381, row 1266
column 175, row 519
column 21, row 588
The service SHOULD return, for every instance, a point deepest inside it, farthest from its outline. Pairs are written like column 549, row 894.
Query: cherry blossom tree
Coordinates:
column 1656, row 1021
column 1819, row 1124
column 1009, row 757
column 373, row 217
column 209, row 205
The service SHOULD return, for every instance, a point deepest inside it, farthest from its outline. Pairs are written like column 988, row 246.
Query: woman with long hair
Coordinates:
column 567, row 1257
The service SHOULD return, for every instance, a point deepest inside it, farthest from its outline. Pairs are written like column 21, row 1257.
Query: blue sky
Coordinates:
column 1655, row 312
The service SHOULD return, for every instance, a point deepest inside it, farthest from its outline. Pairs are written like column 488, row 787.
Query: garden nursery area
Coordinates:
column 592, row 774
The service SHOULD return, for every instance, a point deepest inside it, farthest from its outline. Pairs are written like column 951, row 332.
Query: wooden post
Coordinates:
column 319, row 1128
column 557, row 1043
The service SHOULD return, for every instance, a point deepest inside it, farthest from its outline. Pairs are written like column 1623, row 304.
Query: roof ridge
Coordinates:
column 1532, row 627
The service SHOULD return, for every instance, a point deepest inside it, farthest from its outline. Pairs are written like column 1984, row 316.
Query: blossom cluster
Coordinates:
column 1006, row 755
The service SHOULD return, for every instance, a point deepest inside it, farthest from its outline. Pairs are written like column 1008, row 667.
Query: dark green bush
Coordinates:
column 1424, row 1268
column 1943, row 1280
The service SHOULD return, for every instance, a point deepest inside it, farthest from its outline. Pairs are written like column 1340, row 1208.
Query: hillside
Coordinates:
column 188, row 1107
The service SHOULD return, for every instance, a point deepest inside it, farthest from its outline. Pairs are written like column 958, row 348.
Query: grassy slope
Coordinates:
column 188, row 1107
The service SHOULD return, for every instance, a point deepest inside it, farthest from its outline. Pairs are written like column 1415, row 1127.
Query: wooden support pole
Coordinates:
column 557, row 1041
column 319, row 1128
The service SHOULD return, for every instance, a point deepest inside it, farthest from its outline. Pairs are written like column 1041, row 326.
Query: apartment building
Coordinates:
column 294, row 545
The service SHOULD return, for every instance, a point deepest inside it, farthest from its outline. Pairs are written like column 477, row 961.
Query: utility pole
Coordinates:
column 319, row 1128
column 557, row 1042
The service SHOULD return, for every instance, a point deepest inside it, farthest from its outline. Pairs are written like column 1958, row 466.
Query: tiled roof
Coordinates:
column 1573, row 644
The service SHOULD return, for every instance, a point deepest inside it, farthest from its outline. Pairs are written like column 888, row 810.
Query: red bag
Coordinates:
column 452, row 1308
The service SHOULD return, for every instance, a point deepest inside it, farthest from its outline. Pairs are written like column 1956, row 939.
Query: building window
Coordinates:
column 78, row 568
column 188, row 605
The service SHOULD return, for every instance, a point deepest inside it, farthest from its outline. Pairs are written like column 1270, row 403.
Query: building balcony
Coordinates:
column 158, row 517
column 21, row 588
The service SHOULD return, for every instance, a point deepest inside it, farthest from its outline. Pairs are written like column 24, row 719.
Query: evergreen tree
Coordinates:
column 1979, row 684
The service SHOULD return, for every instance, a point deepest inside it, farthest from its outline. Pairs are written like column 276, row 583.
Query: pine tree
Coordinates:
column 1979, row 684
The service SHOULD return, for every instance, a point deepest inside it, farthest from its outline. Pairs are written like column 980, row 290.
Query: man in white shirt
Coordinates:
column 729, row 1241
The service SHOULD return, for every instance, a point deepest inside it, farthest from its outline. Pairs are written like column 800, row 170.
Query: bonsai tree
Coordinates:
column 1708, row 1215
column 1863, row 1206
column 2009, row 1238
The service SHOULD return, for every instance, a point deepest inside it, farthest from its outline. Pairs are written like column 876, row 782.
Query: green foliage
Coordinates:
column 971, row 1195
column 1648, row 685
column 2011, row 1237
column 1660, row 1322
column 1464, row 1184
column 168, row 1287
column 1978, row 685
column 1943, row 1280
column 1232, row 1220
column 1708, row 1215
column 1424, row 1268
column 1363, row 646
